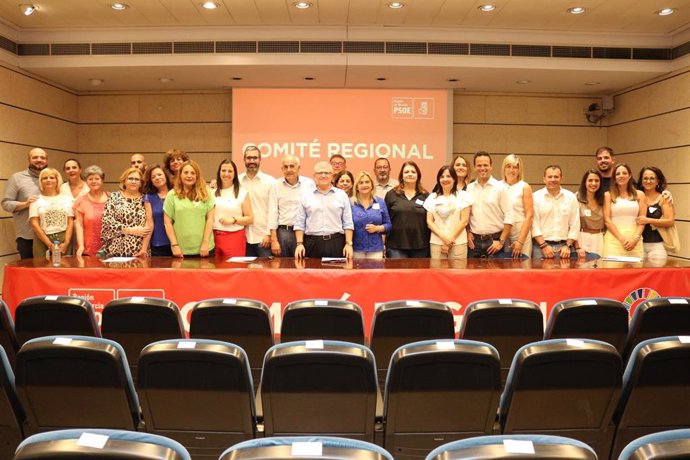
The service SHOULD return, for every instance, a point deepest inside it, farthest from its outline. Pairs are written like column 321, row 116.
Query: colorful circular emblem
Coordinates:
column 638, row 296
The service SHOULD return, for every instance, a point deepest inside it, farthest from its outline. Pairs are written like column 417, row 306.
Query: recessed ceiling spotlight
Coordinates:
column 95, row 81
column 665, row 11
column 27, row 9
column 487, row 8
column 381, row 78
column 523, row 82
column 302, row 5
column 576, row 10
column 210, row 5
column 309, row 78
column 237, row 78
column 452, row 80
column 165, row 80
column 396, row 5
column 592, row 83
column 119, row 6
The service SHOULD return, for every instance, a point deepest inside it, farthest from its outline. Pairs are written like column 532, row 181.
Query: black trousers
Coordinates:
column 25, row 248
column 324, row 246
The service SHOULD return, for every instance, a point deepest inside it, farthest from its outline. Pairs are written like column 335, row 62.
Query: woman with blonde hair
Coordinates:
column 623, row 204
column 124, row 228
column 371, row 219
column 189, row 213
column 520, row 239
column 51, row 215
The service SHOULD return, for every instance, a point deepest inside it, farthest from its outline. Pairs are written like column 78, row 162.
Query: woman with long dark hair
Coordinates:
column 233, row 212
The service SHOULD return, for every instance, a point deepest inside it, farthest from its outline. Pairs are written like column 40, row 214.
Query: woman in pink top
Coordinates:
column 88, row 212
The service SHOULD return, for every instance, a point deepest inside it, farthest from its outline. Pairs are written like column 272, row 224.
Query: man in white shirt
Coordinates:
column 258, row 185
column 492, row 217
column 384, row 183
column 556, row 224
column 283, row 199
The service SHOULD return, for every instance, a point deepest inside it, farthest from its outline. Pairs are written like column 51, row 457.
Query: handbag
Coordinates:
column 670, row 237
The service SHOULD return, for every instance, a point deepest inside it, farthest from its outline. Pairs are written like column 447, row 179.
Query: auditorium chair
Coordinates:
column 8, row 338
column 507, row 324
column 54, row 315
column 563, row 387
column 659, row 317
column 400, row 322
column 319, row 388
column 437, row 392
column 11, row 412
column 244, row 322
column 665, row 445
column 589, row 318
column 305, row 448
column 315, row 319
column 75, row 382
column 198, row 392
column 87, row 444
column 514, row 447
column 135, row 322
column 656, row 390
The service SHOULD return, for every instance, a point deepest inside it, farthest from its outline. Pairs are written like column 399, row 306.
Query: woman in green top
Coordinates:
column 188, row 213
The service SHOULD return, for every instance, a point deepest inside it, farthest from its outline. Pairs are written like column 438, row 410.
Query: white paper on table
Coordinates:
column 622, row 259
column 242, row 259
column 119, row 259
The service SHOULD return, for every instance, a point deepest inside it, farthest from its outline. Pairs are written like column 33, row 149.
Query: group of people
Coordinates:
column 168, row 209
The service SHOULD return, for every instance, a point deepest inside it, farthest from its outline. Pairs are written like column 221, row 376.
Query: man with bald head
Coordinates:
column 138, row 161
column 22, row 190
column 283, row 200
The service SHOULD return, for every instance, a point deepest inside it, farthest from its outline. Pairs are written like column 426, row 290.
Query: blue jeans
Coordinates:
column 537, row 254
column 480, row 248
column 255, row 250
column 407, row 253
column 287, row 241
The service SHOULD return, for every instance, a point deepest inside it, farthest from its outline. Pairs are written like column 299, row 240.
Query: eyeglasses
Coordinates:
column 649, row 179
column 323, row 173
column 337, row 163
column 133, row 179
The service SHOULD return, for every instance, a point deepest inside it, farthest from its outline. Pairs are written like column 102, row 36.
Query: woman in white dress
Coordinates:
column 623, row 204
column 448, row 212
column 519, row 241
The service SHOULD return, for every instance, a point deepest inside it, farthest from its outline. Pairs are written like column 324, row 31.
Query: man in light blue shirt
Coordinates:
column 323, row 224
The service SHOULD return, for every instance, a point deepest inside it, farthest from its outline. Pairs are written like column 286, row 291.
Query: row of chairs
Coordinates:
column 125, row 445
column 507, row 324
column 200, row 392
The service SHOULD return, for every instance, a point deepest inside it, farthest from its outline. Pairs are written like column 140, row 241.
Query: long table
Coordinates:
column 368, row 283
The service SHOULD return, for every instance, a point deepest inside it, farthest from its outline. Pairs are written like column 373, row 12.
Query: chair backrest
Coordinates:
column 659, row 317
column 507, row 324
column 8, row 338
column 319, row 388
column 244, row 322
column 656, row 390
column 11, row 412
column 76, row 381
column 198, row 392
column 54, row 315
column 405, row 321
column 135, row 322
column 305, row 448
column 511, row 447
column 437, row 392
column 563, row 387
column 315, row 319
column 86, row 444
column 589, row 318
column 665, row 445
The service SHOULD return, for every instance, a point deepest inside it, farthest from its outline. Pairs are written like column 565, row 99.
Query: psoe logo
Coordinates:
column 638, row 296
column 402, row 107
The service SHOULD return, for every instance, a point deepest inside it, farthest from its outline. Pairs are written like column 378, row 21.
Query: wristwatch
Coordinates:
column 349, row 242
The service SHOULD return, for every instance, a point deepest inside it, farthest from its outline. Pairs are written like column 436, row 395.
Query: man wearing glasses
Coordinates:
column 323, row 224
column 384, row 183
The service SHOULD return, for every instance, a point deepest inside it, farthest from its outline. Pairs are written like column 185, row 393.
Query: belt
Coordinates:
column 490, row 236
column 592, row 230
column 323, row 237
column 556, row 241
column 286, row 227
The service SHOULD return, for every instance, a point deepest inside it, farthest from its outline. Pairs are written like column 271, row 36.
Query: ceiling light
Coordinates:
column 487, row 8
column 27, row 9
column 119, row 6
column 210, row 5
column 665, row 11
column 302, row 5
column 309, row 78
column 576, row 10
column 452, row 80
column 523, row 82
column 396, row 5
column 381, row 78
column 95, row 81
column 592, row 83
column 165, row 80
